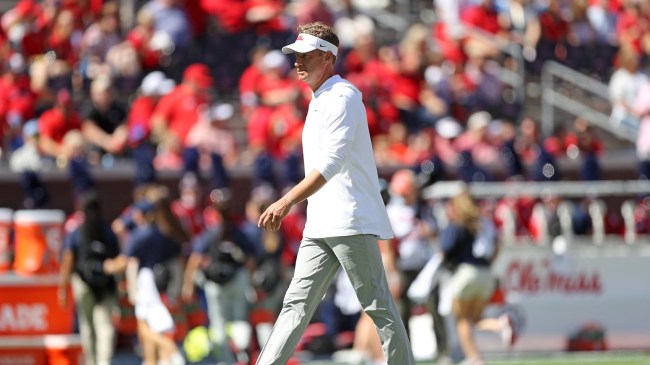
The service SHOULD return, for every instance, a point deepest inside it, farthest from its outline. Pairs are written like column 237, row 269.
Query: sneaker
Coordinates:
column 508, row 331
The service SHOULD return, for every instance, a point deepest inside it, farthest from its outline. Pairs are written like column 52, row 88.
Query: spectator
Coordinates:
column 27, row 157
column 55, row 123
column 509, row 154
column 623, row 89
column 585, row 143
column 84, row 252
column 17, row 100
column 102, row 35
column 171, row 22
column 308, row 11
column 522, row 23
column 104, row 120
column 642, row 108
column 178, row 111
column 446, row 131
column 475, row 140
column 212, row 134
column 265, row 17
column 527, row 143
column 188, row 208
column 153, row 249
column 488, row 89
column 62, row 51
column 351, row 22
column 142, row 38
column 602, row 16
column 631, row 26
column 248, row 95
column 408, row 81
column 154, row 86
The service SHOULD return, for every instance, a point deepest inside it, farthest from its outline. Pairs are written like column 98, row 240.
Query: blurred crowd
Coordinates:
column 135, row 80
column 200, row 87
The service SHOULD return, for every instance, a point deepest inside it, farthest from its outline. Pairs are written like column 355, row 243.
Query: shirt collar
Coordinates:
column 327, row 84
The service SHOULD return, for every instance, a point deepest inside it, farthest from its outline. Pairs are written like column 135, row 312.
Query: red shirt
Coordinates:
column 482, row 18
column 450, row 49
column 63, row 48
column 632, row 26
column 180, row 109
column 139, row 118
column 258, row 125
column 231, row 14
column 54, row 124
column 191, row 218
column 139, row 38
column 554, row 28
column 284, row 130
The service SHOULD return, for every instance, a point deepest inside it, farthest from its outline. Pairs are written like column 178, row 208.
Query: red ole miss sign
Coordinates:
column 539, row 276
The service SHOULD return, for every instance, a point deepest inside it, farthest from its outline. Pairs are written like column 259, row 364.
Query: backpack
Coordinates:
column 226, row 258
column 90, row 266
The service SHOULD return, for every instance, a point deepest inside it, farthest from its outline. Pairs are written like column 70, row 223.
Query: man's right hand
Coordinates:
column 272, row 217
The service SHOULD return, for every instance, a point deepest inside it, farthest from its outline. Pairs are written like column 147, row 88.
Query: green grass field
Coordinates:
column 608, row 358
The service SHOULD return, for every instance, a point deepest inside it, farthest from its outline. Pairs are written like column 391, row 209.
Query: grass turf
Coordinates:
column 606, row 358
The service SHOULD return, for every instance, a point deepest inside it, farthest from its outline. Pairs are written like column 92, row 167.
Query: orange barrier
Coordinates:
column 29, row 306
column 38, row 241
column 6, row 216
column 41, row 350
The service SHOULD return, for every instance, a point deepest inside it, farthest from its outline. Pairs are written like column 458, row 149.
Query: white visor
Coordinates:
column 307, row 43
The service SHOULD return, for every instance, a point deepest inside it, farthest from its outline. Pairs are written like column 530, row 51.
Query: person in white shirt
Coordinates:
column 345, row 212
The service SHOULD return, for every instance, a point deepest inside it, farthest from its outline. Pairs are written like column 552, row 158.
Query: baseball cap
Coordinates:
column 25, row 7
column 30, row 128
column 448, row 127
column 479, row 120
column 306, row 43
column 275, row 59
column 152, row 82
column 199, row 73
column 222, row 111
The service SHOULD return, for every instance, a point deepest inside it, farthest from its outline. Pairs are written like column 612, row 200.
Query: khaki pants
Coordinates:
column 95, row 324
column 317, row 263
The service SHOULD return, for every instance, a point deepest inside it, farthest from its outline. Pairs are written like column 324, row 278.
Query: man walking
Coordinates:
column 345, row 215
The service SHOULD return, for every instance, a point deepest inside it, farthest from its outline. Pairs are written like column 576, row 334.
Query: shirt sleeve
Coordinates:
column 88, row 113
column 46, row 125
column 71, row 241
column 203, row 241
column 448, row 238
column 165, row 106
column 341, row 124
column 111, row 241
column 136, row 243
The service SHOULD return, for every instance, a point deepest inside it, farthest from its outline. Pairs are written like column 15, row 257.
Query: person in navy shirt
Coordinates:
column 151, row 258
column 95, row 295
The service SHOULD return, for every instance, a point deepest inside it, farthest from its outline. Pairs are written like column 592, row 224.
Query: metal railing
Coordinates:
column 551, row 99
column 567, row 189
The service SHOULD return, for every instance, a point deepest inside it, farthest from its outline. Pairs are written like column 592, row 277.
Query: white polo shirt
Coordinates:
column 336, row 142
